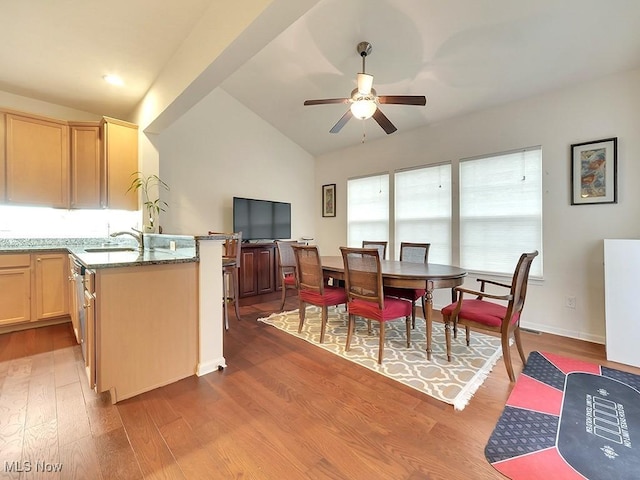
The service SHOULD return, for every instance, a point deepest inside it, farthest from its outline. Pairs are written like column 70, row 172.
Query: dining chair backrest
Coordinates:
column 520, row 281
column 232, row 251
column 363, row 275
column 381, row 246
column 414, row 252
column 309, row 268
column 232, row 247
column 286, row 258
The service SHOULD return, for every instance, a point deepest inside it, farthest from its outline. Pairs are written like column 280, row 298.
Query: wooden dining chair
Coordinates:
column 312, row 288
column 414, row 253
column 286, row 267
column 490, row 316
column 365, row 294
column 230, row 273
column 381, row 246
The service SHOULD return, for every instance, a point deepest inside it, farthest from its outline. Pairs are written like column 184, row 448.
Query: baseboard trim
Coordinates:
column 211, row 366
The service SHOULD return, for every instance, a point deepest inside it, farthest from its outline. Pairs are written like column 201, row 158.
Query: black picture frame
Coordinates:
column 329, row 200
column 594, row 172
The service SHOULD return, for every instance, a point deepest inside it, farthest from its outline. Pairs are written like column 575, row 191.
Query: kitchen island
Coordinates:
column 152, row 317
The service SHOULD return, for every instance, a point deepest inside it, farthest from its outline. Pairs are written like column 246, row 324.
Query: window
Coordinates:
column 423, row 210
column 367, row 209
column 501, row 211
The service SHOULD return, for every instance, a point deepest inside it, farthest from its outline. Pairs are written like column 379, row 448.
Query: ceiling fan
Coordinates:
column 364, row 101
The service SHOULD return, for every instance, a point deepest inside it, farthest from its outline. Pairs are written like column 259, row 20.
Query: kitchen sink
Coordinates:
column 110, row 249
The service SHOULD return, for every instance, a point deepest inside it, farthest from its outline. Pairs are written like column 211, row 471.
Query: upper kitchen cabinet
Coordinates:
column 120, row 162
column 85, row 164
column 3, row 160
column 37, row 161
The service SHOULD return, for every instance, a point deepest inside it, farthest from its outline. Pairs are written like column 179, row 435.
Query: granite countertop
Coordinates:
column 159, row 249
column 132, row 258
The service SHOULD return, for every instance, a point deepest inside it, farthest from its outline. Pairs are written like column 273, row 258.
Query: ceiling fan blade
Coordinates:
column 341, row 123
column 384, row 122
column 403, row 99
column 326, row 101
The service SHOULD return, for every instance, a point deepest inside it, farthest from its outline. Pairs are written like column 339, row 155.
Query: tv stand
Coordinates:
column 259, row 278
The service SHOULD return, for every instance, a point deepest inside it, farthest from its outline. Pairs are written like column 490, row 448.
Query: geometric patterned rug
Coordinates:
column 568, row 419
column 453, row 383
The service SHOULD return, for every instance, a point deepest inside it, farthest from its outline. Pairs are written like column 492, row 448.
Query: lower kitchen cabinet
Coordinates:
column 33, row 287
column 51, row 285
column 15, row 288
column 142, row 327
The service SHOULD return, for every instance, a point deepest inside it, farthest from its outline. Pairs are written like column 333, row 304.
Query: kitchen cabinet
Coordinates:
column 3, row 159
column 33, row 287
column 56, row 163
column 15, row 288
column 144, row 323
column 51, row 285
column 85, row 164
column 36, row 161
column 119, row 163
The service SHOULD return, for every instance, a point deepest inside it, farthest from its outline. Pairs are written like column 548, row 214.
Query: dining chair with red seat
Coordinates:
column 479, row 314
column 415, row 253
column 286, row 267
column 365, row 294
column 312, row 288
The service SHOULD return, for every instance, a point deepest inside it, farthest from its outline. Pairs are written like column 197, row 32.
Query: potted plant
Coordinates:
column 149, row 185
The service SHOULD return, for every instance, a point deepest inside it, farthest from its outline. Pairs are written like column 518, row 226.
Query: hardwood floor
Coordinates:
column 282, row 409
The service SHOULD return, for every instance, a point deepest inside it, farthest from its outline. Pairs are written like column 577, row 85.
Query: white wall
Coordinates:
column 46, row 109
column 219, row 149
column 573, row 235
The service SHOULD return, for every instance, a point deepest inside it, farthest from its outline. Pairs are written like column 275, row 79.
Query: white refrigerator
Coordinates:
column 621, row 298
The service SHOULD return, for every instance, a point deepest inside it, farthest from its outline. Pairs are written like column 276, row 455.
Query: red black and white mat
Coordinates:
column 568, row 419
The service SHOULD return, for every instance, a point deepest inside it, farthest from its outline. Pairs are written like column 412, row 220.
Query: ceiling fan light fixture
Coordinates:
column 365, row 82
column 364, row 108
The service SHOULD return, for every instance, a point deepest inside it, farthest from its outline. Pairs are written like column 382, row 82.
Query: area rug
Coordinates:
column 453, row 383
column 569, row 419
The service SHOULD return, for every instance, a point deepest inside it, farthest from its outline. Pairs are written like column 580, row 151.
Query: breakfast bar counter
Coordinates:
column 153, row 316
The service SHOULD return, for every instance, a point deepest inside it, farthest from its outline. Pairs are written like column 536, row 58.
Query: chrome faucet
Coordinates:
column 138, row 236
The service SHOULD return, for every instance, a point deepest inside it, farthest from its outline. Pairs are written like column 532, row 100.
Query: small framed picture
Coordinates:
column 329, row 200
column 594, row 172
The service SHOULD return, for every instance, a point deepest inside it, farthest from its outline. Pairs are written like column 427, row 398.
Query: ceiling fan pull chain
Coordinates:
column 364, row 132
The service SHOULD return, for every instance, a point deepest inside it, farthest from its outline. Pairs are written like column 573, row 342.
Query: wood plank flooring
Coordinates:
column 282, row 409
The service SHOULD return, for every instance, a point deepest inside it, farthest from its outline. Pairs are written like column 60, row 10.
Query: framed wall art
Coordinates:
column 329, row 200
column 594, row 172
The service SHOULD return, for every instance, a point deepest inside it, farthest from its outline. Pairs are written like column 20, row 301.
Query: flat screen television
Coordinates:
column 261, row 219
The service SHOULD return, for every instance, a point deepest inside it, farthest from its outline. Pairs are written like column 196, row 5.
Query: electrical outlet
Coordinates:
column 570, row 302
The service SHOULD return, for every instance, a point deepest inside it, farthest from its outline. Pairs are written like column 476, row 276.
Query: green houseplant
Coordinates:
column 150, row 186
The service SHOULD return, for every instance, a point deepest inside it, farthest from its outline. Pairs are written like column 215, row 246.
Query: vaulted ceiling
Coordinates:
column 463, row 55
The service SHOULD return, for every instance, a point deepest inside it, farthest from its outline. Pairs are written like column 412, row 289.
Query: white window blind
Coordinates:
column 367, row 209
column 501, row 211
column 423, row 210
